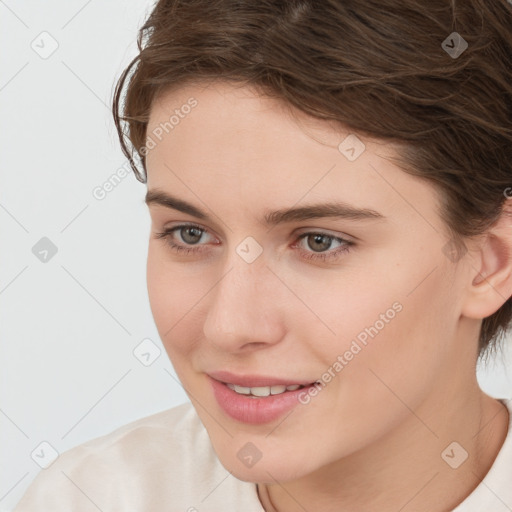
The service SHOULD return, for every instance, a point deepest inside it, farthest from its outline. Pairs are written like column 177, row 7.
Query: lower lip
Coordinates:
column 255, row 411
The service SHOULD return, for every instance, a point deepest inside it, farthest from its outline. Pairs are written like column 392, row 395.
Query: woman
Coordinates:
column 329, row 187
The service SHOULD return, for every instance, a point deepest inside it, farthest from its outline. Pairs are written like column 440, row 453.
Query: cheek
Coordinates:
column 400, row 360
column 394, row 322
column 173, row 290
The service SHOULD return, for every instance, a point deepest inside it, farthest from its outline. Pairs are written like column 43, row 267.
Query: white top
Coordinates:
column 165, row 462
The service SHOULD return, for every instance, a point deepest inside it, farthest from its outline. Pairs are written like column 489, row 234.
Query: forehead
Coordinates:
column 259, row 153
column 233, row 113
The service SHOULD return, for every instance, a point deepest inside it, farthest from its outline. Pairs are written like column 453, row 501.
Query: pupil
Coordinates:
column 323, row 240
column 194, row 238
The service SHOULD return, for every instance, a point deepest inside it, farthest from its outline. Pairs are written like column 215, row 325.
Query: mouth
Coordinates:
column 256, row 399
column 258, row 386
column 263, row 391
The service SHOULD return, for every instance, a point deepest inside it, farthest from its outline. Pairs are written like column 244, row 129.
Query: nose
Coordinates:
column 246, row 310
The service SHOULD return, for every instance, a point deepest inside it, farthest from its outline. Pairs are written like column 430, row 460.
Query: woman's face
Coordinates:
column 367, row 305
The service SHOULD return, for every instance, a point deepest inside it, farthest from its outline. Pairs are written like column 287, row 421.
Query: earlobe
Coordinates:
column 491, row 284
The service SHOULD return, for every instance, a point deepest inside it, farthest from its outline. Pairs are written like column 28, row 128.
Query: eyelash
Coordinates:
column 325, row 256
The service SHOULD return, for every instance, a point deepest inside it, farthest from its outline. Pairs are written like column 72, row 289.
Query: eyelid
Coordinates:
column 327, row 232
column 177, row 225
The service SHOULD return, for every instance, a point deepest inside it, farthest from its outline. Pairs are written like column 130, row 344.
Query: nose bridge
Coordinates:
column 242, row 309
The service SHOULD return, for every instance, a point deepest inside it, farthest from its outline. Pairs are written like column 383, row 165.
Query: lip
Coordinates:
column 253, row 381
column 255, row 411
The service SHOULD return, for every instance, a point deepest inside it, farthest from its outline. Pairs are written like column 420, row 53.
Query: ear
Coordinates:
column 491, row 269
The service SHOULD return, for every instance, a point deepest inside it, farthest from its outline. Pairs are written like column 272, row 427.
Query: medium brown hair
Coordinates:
column 387, row 69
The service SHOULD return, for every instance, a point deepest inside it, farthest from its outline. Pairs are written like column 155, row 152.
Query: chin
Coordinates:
column 275, row 467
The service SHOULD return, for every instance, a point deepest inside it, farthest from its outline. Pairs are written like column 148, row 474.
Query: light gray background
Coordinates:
column 69, row 325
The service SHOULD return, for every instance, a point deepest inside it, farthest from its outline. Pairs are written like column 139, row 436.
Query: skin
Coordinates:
column 372, row 439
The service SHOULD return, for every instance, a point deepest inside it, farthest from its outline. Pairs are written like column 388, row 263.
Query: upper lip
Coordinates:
column 252, row 381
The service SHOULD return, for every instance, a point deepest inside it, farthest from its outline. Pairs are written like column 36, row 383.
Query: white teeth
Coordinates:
column 262, row 391
column 239, row 389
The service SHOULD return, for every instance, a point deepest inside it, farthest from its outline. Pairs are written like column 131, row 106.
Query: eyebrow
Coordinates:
column 313, row 211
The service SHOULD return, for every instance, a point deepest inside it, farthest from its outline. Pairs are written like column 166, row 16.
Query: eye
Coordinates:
column 190, row 234
column 320, row 243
